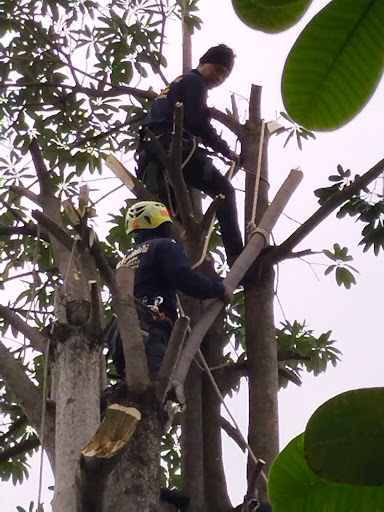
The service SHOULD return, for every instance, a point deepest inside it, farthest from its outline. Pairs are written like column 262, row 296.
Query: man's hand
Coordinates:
column 234, row 156
column 227, row 296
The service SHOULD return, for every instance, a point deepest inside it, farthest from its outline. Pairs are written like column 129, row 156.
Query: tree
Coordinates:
column 67, row 123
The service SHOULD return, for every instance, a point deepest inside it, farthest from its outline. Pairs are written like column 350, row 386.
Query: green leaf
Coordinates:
column 335, row 65
column 293, row 487
column 343, row 441
column 270, row 15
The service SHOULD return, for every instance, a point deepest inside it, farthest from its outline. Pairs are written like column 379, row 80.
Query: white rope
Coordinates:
column 258, row 171
column 220, row 396
column 43, row 416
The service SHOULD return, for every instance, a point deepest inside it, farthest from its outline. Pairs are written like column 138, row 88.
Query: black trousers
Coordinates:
column 199, row 173
column 155, row 346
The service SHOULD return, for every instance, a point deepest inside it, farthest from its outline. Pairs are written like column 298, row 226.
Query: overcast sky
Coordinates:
column 354, row 316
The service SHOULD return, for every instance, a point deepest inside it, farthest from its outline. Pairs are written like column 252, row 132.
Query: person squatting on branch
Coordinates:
column 161, row 269
column 199, row 172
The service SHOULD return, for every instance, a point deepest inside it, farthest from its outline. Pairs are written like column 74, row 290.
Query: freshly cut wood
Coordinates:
column 114, row 431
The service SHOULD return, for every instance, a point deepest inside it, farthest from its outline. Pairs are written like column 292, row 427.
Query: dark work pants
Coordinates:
column 155, row 346
column 200, row 173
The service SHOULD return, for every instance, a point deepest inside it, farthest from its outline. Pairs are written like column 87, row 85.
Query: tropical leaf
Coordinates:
column 293, row 487
column 270, row 15
column 343, row 438
column 335, row 65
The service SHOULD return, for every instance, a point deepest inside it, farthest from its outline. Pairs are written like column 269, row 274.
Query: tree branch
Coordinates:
column 284, row 354
column 228, row 121
column 22, row 191
column 54, row 229
column 29, row 230
column 38, row 340
column 233, row 433
column 19, row 448
column 290, row 375
column 28, row 396
column 281, row 252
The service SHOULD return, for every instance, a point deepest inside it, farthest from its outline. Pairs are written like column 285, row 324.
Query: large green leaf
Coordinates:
column 270, row 15
column 336, row 64
column 344, row 439
column 293, row 487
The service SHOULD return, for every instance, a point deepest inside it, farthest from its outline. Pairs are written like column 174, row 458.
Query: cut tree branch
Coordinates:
column 240, row 267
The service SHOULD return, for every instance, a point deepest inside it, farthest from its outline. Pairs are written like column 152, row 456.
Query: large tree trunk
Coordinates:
column 133, row 485
column 77, row 370
column 259, row 319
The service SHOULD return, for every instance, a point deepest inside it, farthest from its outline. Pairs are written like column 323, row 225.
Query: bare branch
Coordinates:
column 290, row 375
column 96, row 315
column 22, row 191
column 28, row 396
column 129, row 180
column 29, row 230
column 38, row 340
column 54, row 229
column 228, row 121
column 280, row 252
column 20, row 422
column 233, row 434
column 104, row 268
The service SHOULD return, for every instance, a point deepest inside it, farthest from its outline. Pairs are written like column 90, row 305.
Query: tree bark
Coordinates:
column 77, row 410
column 133, row 485
column 259, row 320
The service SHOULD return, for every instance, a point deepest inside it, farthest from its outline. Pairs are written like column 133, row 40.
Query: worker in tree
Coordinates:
column 191, row 89
column 161, row 268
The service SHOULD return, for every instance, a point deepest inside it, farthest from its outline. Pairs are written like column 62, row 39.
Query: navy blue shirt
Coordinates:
column 190, row 89
column 161, row 269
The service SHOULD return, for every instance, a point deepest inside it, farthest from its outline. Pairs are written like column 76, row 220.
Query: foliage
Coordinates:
column 342, row 442
column 340, row 267
column 298, row 337
column 270, row 15
column 293, row 487
column 171, row 458
column 368, row 206
column 343, row 436
column 336, row 63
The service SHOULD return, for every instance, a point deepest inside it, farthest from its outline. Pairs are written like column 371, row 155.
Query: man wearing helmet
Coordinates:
column 191, row 89
column 161, row 269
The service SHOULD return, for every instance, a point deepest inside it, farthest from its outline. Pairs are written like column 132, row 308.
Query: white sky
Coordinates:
column 355, row 315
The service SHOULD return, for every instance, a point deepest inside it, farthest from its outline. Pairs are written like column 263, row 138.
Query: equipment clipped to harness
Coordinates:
column 155, row 310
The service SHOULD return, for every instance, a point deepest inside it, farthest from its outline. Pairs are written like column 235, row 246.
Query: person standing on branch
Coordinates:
column 161, row 269
column 199, row 172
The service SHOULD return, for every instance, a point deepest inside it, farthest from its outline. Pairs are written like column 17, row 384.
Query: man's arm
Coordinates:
column 179, row 274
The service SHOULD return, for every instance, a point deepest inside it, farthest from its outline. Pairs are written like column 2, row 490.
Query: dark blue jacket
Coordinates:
column 162, row 268
column 190, row 89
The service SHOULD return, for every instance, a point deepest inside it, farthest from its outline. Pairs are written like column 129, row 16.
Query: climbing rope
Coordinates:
column 258, row 172
column 220, row 396
column 43, row 417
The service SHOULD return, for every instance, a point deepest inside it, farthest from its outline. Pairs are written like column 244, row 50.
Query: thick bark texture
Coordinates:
column 133, row 485
column 77, row 409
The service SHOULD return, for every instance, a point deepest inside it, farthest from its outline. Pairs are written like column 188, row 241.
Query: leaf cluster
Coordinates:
column 320, row 349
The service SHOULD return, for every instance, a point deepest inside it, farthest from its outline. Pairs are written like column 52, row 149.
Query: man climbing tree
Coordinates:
column 161, row 268
column 191, row 89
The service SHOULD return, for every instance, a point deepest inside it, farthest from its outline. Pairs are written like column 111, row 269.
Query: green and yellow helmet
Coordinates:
column 146, row 215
